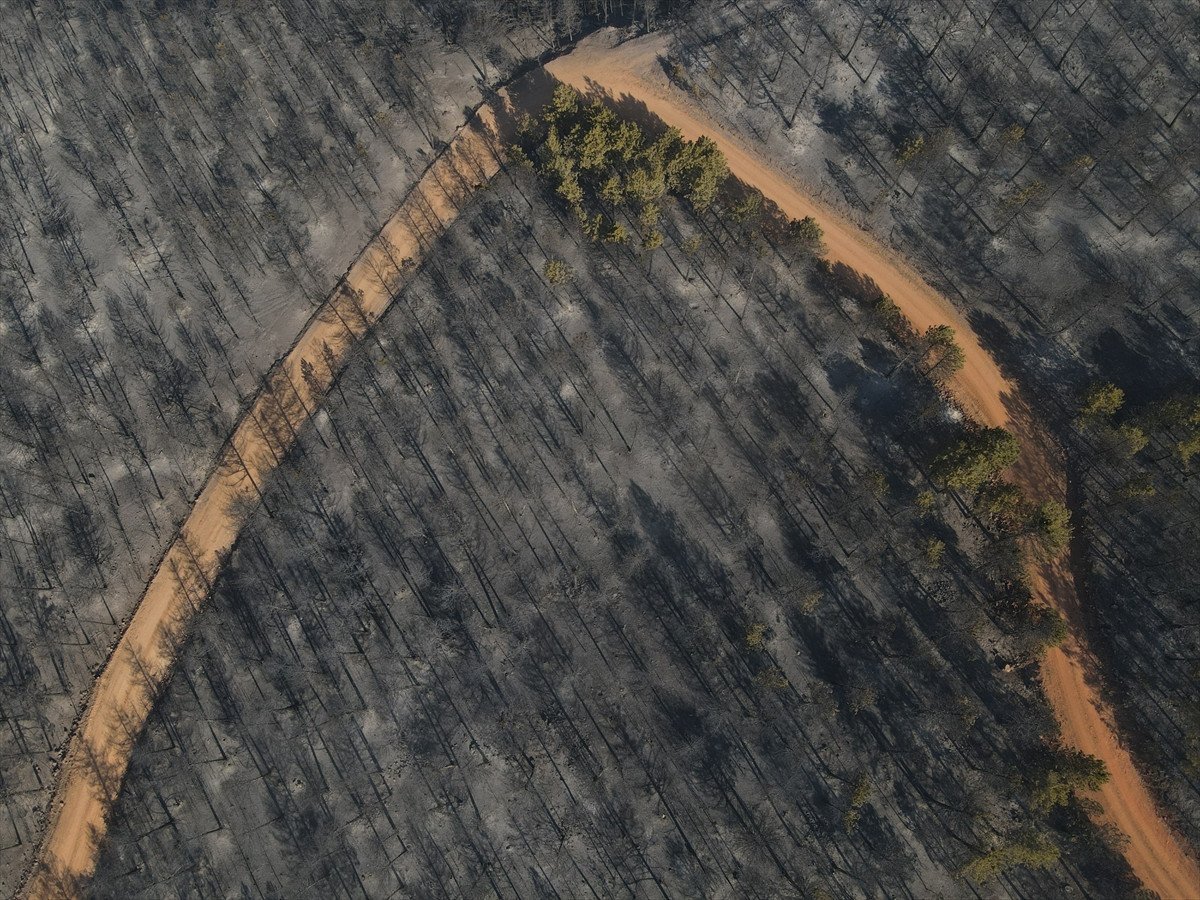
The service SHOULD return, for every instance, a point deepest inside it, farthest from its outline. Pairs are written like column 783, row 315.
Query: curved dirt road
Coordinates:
column 122, row 697
column 632, row 73
column 98, row 755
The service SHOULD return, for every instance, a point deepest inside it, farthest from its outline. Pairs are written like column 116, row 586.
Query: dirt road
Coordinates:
column 91, row 773
column 98, row 755
column 632, row 73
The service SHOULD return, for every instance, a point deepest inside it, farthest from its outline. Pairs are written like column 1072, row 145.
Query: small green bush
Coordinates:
column 556, row 271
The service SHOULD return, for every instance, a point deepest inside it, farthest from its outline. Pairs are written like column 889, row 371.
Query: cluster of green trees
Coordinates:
column 603, row 166
column 976, row 459
column 1024, row 530
column 935, row 352
column 1061, row 773
column 1032, row 849
column 1174, row 424
column 1054, row 780
column 614, row 175
column 973, row 465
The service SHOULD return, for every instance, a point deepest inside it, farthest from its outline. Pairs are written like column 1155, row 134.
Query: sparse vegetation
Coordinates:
column 514, row 579
column 910, row 149
column 556, row 271
column 1032, row 850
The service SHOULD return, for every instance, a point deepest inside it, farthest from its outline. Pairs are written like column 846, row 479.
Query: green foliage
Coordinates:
column 1043, row 628
column 1100, row 401
column 893, row 319
column 1130, row 440
column 877, row 483
column 939, row 336
column 863, row 696
column 1051, row 526
column 910, row 149
column 649, row 216
column 1004, row 504
column 592, row 157
column 1188, row 448
column 756, row 636
column 556, row 271
column 977, row 458
column 1032, row 850
column 645, row 185
column 809, row 602
column 612, row 191
column 932, row 551
column 697, row 172
column 616, row 234
column 807, row 235
column 653, row 239
column 772, row 677
column 858, row 799
column 747, row 208
column 1063, row 772
column 1139, row 487
column 943, row 356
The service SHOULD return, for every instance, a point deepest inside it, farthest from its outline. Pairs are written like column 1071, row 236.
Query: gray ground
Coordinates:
column 492, row 637
column 178, row 191
column 1057, row 198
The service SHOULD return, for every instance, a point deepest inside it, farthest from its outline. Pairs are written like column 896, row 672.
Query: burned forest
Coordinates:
column 599, row 448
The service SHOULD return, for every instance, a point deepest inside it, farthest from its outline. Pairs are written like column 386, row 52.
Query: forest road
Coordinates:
column 632, row 76
column 101, row 744
column 98, row 753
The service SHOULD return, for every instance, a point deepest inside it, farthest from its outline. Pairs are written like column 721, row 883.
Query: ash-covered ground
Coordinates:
column 618, row 586
column 180, row 188
column 1036, row 162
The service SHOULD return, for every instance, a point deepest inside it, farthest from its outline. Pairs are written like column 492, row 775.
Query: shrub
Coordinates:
column 807, row 235
column 1063, row 772
column 1051, row 525
column 1033, row 850
column 747, row 208
column 858, row 799
column 1100, row 401
column 977, row 458
column 1004, row 504
column 809, row 602
column 616, row 234
column 756, row 636
column 1131, row 440
column 772, row 677
column 893, row 319
column 943, row 356
column 910, row 149
column 1188, row 447
column 557, row 271
column 1139, row 487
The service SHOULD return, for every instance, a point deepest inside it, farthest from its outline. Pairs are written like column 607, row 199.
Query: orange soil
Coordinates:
column 633, row 72
column 123, row 695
